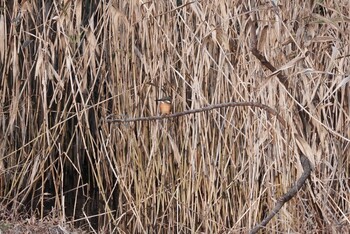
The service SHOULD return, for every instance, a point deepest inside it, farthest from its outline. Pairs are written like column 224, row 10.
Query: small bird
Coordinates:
column 165, row 105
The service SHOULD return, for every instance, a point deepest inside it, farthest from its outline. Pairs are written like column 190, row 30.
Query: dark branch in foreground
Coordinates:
column 305, row 162
column 289, row 195
column 263, row 60
column 207, row 108
column 303, row 159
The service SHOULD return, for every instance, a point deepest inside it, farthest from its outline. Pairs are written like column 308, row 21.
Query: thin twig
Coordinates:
column 207, row 108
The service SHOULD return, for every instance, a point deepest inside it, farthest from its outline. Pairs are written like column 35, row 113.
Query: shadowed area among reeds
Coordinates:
column 68, row 67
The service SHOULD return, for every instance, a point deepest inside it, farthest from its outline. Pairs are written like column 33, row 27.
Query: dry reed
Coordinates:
column 66, row 66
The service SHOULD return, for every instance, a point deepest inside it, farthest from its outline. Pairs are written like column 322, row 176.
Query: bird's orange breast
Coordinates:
column 165, row 108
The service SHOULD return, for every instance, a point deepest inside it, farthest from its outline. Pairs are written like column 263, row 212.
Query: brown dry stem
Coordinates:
column 207, row 108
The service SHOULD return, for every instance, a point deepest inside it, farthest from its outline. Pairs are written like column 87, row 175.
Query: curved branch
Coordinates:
column 207, row 108
column 305, row 162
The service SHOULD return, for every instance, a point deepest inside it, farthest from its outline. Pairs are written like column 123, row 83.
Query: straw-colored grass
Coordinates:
column 68, row 66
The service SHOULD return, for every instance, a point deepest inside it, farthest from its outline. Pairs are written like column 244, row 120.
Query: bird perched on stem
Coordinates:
column 164, row 105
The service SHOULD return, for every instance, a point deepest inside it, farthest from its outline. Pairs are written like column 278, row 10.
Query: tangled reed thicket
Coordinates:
column 68, row 66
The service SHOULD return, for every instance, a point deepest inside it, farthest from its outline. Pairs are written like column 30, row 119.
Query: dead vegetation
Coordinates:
column 68, row 66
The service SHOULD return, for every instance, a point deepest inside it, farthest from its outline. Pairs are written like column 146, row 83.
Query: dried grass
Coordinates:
column 66, row 66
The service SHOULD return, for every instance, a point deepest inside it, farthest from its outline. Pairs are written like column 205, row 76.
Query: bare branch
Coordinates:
column 207, row 108
column 305, row 162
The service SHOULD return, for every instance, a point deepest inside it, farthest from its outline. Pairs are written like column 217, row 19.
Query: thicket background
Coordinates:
column 69, row 66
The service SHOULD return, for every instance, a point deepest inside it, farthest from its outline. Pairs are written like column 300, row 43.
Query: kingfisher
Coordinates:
column 165, row 105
